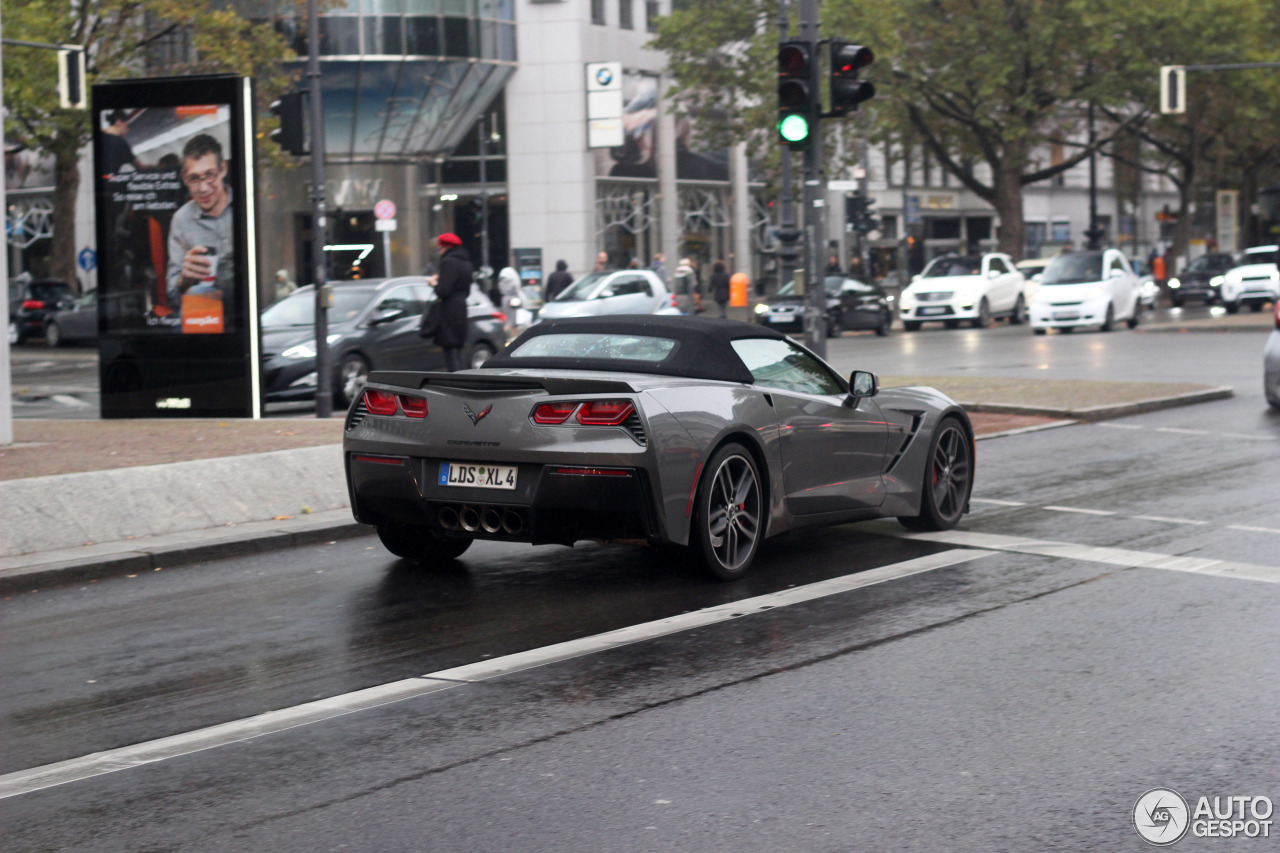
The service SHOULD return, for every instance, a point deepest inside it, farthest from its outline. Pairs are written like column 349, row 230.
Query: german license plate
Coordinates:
column 927, row 312
column 478, row 476
column 1066, row 315
column 781, row 318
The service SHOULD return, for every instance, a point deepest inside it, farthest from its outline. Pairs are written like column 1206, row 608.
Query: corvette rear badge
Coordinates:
column 476, row 418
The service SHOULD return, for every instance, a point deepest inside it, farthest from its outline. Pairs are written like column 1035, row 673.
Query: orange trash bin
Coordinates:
column 738, row 286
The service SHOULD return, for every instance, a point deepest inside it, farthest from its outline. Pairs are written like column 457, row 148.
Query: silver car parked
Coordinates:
column 598, row 294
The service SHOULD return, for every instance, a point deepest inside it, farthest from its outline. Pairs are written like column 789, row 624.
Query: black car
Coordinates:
column 373, row 325
column 1197, row 280
column 31, row 302
column 74, row 323
column 851, row 304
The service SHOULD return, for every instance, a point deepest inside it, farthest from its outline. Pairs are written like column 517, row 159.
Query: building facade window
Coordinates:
column 625, row 19
column 597, row 12
column 1061, row 232
column 651, row 16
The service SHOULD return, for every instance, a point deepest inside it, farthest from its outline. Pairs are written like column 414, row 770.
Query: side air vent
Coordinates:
column 635, row 426
column 356, row 414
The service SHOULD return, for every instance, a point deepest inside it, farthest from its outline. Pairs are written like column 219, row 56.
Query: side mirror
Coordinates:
column 386, row 315
column 993, row 273
column 1117, row 274
column 862, row 383
column 605, row 294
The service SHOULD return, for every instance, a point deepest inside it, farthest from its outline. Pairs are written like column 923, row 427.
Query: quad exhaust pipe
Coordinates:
column 481, row 519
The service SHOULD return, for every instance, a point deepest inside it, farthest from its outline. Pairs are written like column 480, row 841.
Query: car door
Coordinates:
column 627, row 293
column 1123, row 285
column 1002, row 288
column 832, row 454
column 81, row 323
column 390, row 337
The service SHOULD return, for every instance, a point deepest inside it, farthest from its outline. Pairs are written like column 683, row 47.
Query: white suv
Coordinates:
column 959, row 288
column 1255, row 280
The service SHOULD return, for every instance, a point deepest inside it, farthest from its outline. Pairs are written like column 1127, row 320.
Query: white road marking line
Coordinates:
column 1079, row 510
column 1247, row 437
column 1183, row 431
column 995, row 502
column 68, row 400
column 1252, row 529
column 1118, row 426
column 1167, row 520
column 1110, row 556
column 236, row 731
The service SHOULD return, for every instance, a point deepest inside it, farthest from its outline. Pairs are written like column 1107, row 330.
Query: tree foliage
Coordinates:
column 123, row 38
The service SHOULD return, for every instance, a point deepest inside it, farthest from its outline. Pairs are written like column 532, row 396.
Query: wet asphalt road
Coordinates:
column 1010, row 702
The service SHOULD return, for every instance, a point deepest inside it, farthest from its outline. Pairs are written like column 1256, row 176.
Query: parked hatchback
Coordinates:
column 851, row 304
column 373, row 325
column 31, row 302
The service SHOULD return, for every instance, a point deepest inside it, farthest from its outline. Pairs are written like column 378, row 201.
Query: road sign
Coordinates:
column 385, row 209
column 88, row 259
column 384, row 225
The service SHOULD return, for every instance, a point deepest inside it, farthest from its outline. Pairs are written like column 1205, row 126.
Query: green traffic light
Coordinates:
column 794, row 128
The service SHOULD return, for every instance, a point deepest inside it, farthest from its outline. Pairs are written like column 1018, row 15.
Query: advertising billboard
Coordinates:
column 177, row 293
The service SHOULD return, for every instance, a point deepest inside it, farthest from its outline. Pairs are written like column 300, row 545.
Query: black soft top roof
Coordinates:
column 704, row 348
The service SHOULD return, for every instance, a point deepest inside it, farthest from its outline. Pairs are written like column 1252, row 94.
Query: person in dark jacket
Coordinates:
column 720, row 286
column 558, row 280
column 452, row 287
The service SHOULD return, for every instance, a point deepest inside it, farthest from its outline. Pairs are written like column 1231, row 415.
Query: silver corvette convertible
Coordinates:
column 670, row 431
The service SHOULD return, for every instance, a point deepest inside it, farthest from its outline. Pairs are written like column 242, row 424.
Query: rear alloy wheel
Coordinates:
column 1110, row 322
column 948, row 480
column 886, row 323
column 353, row 375
column 729, row 517
column 420, row 544
column 53, row 335
column 1019, row 315
column 480, row 353
column 983, row 320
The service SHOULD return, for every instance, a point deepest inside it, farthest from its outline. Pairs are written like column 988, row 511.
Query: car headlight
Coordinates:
column 762, row 308
column 1173, row 282
column 303, row 350
column 1216, row 281
column 908, row 300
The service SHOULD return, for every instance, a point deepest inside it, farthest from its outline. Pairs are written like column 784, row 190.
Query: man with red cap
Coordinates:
column 452, row 287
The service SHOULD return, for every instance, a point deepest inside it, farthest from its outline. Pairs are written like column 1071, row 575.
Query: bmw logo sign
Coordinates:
column 604, row 76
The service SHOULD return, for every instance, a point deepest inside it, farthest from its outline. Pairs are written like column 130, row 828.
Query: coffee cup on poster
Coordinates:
column 211, row 255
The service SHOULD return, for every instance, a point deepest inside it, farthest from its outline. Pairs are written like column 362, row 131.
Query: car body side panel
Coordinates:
column 914, row 413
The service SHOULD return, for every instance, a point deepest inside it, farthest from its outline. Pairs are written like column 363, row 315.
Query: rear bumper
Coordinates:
column 552, row 503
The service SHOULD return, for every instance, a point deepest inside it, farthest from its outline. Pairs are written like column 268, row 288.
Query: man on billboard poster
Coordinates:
column 201, row 256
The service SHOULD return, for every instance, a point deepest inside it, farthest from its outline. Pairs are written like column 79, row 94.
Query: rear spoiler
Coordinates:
column 480, row 382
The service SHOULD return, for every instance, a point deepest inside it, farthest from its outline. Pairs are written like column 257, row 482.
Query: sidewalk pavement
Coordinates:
column 82, row 500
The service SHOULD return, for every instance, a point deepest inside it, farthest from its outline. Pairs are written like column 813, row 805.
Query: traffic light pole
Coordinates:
column 319, row 221
column 815, row 221
column 787, row 232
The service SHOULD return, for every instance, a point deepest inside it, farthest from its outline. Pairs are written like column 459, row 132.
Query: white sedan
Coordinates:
column 1086, row 289
column 960, row 288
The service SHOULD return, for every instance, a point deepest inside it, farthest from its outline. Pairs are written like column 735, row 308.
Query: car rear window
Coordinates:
column 610, row 347
column 50, row 291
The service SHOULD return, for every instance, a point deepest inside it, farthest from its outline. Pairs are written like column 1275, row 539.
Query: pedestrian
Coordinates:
column 452, row 286
column 685, row 286
column 509, row 288
column 634, row 265
column 1066, row 248
column 284, row 284
column 558, row 280
column 855, row 268
column 719, row 286
column 833, row 265
column 602, row 262
column 659, row 268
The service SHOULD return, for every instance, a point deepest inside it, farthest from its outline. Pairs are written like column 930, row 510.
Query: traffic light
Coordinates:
column 859, row 215
column 797, row 94
column 71, row 77
column 291, row 135
column 847, row 91
column 1173, row 89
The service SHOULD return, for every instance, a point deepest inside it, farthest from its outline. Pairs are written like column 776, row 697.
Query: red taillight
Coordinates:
column 500, row 317
column 674, row 304
column 32, row 305
column 553, row 413
column 1278, row 313
column 414, row 407
column 380, row 402
column 594, row 472
column 604, row 412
